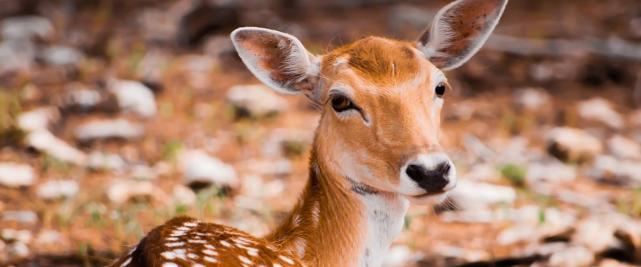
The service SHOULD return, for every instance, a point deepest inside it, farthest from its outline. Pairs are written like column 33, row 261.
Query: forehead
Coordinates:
column 377, row 60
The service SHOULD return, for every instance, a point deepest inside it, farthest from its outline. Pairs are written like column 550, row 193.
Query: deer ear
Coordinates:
column 459, row 30
column 277, row 59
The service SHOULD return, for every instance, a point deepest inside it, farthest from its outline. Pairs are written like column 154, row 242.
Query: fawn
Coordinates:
column 376, row 148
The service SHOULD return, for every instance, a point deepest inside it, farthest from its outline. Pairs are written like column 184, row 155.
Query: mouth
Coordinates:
column 429, row 194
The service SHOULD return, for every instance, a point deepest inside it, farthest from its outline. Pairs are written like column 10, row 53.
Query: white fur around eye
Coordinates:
column 345, row 114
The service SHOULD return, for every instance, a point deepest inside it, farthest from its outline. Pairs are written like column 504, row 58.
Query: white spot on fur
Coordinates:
column 174, row 244
column 210, row 252
column 196, row 241
column 299, row 247
column 209, row 246
column 177, row 233
column 197, row 265
column 277, row 265
column 169, row 264
column 315, row 213
column 286, row 259
column 192, row 256
column 245, row 259
column 168, row 255
column 252, row 252
column 172, row 238
column 225, row 243
column 210, row 259
column 183, row 228
column 190, row 224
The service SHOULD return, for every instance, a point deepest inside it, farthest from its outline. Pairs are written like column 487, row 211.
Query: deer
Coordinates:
column 375, row 151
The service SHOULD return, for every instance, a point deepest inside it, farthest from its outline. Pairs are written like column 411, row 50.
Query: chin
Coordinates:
column 428, row 199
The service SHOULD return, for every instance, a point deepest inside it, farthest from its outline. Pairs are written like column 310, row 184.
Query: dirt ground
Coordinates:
column 496, row 126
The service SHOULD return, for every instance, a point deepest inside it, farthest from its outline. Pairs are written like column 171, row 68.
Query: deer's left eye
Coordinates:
column 440, row 89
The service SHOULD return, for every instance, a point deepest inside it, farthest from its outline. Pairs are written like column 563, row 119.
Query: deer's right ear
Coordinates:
column 277, row 59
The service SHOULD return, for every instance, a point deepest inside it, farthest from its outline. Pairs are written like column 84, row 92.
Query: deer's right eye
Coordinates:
column 341, row 103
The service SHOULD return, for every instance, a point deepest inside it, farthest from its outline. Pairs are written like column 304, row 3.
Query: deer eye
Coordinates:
column 341, row 103
column 440, row 89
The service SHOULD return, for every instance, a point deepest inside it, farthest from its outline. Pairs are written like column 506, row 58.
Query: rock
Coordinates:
column 13, row 235
column 102, row 161
column 517, row 234
column 600, row 110
column 611, row 170
column 61, row 56
column 48, row 237
column 21, row 216
column 551, row 172
column 16, row 174
column 285, row 142
column 218, row 45
column 183, row 195
column 200, row 169
column 134, row 96
column 460, row 253
column 57, row 189
column 16, row 56
column 107, row 129
column 44, row 141
column 38, row 119
column 483, row 173
column 255, row 101
column 469, row 195
column 26, row 28
column 624, row 148
column 573, row 145
column 266, row 167
column 255, row 187
column 121, row 191
column 532, row 99
column 575, row 256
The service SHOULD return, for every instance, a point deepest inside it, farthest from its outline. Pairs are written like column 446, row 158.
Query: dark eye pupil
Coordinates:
column 341, row 103
column 440, row 89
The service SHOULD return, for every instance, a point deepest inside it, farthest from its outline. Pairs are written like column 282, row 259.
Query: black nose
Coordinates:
column 433, row 180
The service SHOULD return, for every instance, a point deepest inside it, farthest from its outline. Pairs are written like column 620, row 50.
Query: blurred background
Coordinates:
column 117, row 115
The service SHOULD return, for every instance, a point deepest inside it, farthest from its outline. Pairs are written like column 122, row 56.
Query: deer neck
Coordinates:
column 340, row 222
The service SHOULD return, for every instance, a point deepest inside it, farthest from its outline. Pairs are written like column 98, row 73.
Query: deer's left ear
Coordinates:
column 277, row 59
column 459, row 30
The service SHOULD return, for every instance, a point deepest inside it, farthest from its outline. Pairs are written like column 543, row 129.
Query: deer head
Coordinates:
column 380, row 98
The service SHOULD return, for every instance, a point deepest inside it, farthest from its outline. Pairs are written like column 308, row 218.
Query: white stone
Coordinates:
column 469, row 195
column 21, row 216
column 16, row 174
column 13, row 235
column 38, row 119
column 198, row 167
column 483, row 173
column 573, row 144
column 532, row 99
column 624, row 148
column 121, row 191
column 103, row 161
column 256, row 100
column 108, row 128
column 26, row 28
column 48, row 237
column 44, row 141
column 265, row 167
column 610, row 169
column 183, row 195
column 16, row 56
column 57, row 189
column 61, row 56
column 575, row 256
column 134, row 96
column 599, row 109
column 552, row 172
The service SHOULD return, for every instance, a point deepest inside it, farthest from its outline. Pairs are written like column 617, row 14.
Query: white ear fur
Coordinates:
column 277, row 59
column 459, row 30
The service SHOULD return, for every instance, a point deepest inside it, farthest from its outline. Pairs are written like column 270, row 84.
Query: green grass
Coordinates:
column 514, row 173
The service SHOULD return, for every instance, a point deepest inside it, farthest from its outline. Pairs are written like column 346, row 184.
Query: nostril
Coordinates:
column 416, row 172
